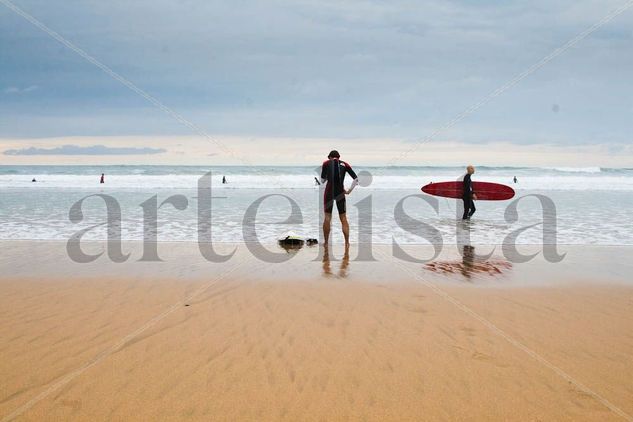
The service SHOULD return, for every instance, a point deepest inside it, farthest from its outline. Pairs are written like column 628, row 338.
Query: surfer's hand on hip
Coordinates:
column 348, row 191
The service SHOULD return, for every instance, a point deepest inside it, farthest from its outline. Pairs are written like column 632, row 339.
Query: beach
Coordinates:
column 169, row 249
column 314, row 339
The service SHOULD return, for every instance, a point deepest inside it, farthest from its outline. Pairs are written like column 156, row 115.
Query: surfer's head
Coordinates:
column 334, row 154
column 470, row 169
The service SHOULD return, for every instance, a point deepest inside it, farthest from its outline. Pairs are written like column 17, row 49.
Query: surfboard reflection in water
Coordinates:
column 470, row 266
column 327, row 267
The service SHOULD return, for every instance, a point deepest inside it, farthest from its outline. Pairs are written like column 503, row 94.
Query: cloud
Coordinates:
column 361, row 68
column 18, row 90
column 88, row 150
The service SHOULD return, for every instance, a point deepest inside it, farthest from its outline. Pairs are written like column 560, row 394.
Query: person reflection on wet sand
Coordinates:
column 469, row 266
column 342, row 272
column 327, row 268
column 468, row 260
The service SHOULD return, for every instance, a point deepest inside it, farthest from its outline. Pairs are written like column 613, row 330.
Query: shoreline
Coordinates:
column 455, row 263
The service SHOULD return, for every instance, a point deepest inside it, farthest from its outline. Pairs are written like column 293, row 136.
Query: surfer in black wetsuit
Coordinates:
column 333, row 171
column 468, row 196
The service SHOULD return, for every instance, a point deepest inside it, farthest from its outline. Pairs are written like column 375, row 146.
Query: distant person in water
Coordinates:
column 515, row 179
column 316, row 182
column 34, row 180
column 102, row 178
column 333, row 171
column 224, row 180
column 468, row 196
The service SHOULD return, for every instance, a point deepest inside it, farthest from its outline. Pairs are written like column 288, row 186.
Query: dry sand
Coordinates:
column 306, row 340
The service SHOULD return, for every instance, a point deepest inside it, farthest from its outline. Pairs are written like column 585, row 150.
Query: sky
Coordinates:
column 285, row 81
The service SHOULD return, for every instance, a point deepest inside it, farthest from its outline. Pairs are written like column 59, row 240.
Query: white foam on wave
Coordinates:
column 576, row 169
column 545, row 182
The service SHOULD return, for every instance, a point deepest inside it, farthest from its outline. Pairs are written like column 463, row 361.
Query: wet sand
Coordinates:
column 308, row 339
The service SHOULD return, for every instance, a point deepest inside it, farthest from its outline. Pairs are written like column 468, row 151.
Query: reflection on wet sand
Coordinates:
column 327, row 268
column 290, row 248
column 470, row 265
column 293, row 246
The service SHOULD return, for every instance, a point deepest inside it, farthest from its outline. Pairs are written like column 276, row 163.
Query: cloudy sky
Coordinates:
column 304, row 75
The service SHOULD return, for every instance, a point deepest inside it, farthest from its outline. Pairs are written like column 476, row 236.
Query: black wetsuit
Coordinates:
column 467, row 197
column 334, row 171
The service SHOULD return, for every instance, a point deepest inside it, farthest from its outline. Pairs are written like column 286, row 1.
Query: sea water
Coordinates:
column 590, row 205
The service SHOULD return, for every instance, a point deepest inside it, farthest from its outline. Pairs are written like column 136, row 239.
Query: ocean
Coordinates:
column 583, row 206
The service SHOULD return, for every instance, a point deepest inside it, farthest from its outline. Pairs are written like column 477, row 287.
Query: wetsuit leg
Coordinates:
column 467, row 202
column 472, row 208
column 341, row 204
column 333, row 195
column 328, row 200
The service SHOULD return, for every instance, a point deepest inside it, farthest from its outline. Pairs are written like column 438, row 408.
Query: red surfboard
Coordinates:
column 484, row 190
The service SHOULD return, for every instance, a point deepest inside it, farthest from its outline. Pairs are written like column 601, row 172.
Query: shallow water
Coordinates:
column 578, row 217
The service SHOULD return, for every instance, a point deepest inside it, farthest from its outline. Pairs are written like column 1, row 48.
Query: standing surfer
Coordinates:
column 333, row 171
column 468, row 196
column 102, row 180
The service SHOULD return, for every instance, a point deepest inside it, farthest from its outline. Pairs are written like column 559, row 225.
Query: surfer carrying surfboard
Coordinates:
column 465, row 188
column 333, row 171
column 468, row 195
